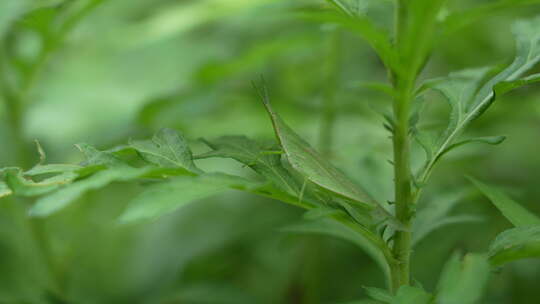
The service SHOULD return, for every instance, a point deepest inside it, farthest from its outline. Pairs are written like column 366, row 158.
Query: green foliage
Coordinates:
column 130, row 70
column 513, row 244
column 463, row 281
column 510, row 209
column 311, row 164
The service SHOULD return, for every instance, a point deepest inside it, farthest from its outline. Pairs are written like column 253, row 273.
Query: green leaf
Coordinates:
column 411, row 295
column 263, row 159
column 69, row 193
column 507, row 86
column 24, row 186
column 311, row 164
column 361, row 25
column 417, row 34
column 365, row 239
column 379, row 294
column 468, row 103
column 514, row 212
column 167, row 148
column 95, row 157
column 51, row 169
column 463, row 282
column 490, row 140
column 513, row 244
column 165, row 197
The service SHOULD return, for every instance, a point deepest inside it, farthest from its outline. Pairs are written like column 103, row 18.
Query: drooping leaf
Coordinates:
column 69, row 193
column 411, row 295
column 24, row 186
column 312, row 165
column 510, row 209
column 373, row 245
column 463, row 282
column 263, row 159
column 513, row 244
column 165, row 197
column 167, row 148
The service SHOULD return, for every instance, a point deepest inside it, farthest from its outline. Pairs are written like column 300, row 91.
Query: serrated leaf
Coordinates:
column 510, row 209
column 165, row 197
column 514, row 244
column 459, row 86
column 167, row 148
column 411, row 295
column 24, row 186
column 365, row 239
column 263, row 159
column 69, row 193
column 379, row 294
column 312, row 165
column 463, row 282
column 95, row 157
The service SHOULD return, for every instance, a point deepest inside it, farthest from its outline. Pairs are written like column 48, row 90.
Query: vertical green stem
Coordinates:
column 402, row 184
column 404, row 82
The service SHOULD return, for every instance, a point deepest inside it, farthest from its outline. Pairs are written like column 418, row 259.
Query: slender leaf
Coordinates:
column 361, row 25
column 513, row 244
column 514, row 212
column 507, row 86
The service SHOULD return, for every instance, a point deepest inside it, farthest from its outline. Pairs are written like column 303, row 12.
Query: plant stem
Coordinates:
column 402, row 184
column 404, row 90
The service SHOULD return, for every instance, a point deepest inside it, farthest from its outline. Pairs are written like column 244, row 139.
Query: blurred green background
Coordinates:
column 123, row 69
